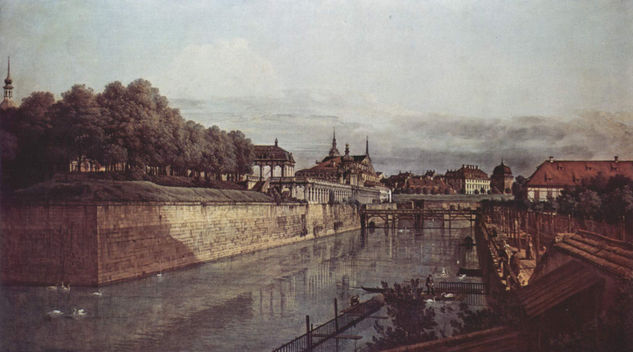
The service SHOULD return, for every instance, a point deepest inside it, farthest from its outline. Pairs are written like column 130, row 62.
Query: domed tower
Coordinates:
column 7, row 102
column 501, row 179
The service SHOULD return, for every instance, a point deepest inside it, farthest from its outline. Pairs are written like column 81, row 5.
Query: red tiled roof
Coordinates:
column 607, row 254
column 500, row 339
column 554, row 288
column 329, row 164
column 562, row 173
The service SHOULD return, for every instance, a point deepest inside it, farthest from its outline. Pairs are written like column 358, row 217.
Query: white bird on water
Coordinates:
column 97, row 293
column 462, row 276
column 66, row 288
column 55, row 313
column 78, row 313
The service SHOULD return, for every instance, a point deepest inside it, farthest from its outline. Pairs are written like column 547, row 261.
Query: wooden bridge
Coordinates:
column 391, row 217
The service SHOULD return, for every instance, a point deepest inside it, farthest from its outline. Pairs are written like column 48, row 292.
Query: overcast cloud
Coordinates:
column 434, row 84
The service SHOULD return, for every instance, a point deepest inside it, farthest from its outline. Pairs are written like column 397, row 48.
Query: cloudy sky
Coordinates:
column 434, row 84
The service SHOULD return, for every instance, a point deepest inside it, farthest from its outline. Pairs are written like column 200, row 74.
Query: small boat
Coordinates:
column 373, row 289
column 469, row 272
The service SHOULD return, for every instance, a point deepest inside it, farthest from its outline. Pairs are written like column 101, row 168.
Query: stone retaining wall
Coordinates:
column 99, row 243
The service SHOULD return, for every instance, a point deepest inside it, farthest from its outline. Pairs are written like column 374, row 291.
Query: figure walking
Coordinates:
column 429, row 285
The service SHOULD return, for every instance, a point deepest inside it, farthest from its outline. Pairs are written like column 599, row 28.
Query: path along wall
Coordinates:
column 94, row 244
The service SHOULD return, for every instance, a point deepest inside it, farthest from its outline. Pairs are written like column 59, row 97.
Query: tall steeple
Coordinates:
column 367, row 146
column 7, row 102
column 333, row 151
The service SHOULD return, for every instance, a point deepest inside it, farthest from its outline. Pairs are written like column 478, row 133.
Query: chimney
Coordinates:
column 615, row 158
column 551, row 159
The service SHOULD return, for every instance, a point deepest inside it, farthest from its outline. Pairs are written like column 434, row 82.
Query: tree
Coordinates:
column 77, row 125
column 124, row 128
column 412, row 320
column 244, row 153
column 589, row 203
column 519, row 187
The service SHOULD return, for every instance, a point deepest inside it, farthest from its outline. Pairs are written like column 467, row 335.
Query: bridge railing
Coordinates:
column 462, row 287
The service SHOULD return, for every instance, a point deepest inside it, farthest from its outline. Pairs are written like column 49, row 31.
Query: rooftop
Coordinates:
column 561, row 173
column 272, row 152
column 499, row 339
column 612, row 256
column 554, row 288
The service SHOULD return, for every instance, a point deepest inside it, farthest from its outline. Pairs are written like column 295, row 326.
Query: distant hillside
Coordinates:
column 137, row 191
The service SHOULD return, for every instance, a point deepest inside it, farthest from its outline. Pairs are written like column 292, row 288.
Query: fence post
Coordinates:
column 308, row 335
column 537, row 242
column 336, row 315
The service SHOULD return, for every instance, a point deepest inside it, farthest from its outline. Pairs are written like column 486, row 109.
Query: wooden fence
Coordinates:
column 547, row 224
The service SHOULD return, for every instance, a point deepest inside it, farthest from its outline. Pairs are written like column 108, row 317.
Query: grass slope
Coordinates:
column 136, row 191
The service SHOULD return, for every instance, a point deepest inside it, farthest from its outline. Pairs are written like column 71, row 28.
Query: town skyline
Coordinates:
column 433, row 85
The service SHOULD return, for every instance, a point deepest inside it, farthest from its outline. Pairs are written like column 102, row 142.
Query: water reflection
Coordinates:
column 251, row 302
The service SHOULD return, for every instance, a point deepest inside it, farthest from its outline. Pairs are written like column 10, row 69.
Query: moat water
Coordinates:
column 253, row 302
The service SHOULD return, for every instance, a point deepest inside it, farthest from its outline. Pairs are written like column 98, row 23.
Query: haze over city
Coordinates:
column 434, row 85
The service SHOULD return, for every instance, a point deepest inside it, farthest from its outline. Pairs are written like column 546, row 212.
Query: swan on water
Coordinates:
column 97, row 293
column 78, row 313
column 462, row 276
column 66, row 287
column 448, row 295
column 55, row 313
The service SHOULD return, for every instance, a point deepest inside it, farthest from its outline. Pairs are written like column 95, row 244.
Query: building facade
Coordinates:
column 272, row 161
column 336, row 178
column 355, row 170
column 468, row 179
column 552, row 176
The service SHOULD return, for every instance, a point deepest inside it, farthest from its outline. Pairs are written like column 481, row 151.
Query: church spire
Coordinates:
column 367, row 145
column 7, row 102
column 333, row 151
column 8, row 70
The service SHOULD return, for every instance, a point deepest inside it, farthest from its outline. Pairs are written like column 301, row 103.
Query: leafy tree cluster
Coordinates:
column 412, row 319
column 598, row 198
column 415, row 318
column 130, row 129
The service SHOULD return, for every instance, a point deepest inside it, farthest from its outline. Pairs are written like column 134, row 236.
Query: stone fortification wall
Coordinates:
column 93, row 244
column 48, row 244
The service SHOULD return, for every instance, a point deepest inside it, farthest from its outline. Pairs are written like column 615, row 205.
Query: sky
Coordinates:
column 433, row 84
